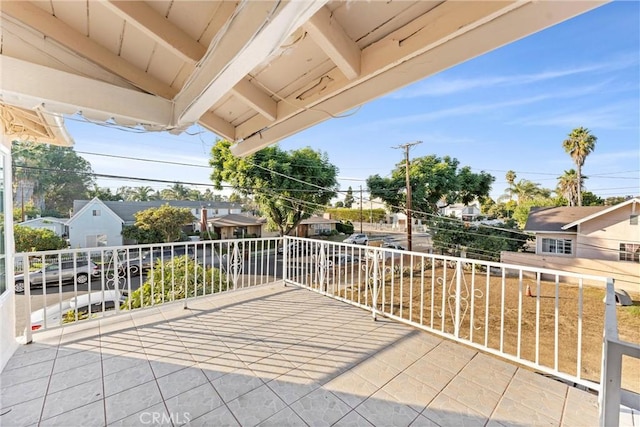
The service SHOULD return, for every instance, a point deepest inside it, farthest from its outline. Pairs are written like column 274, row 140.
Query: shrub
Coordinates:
column 345, row 227
column 171, row 286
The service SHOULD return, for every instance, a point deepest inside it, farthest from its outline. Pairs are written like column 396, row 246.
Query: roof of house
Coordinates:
column 554, row 219
column 602, row 212
column 87, row 205
column 318, row 220
column 44, row 219
column 235, row 220
column 126, row 210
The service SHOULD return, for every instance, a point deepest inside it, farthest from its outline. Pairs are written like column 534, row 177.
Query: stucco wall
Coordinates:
column 567, row 236
column 600, row 238
column 87, row 224
column 626, row 274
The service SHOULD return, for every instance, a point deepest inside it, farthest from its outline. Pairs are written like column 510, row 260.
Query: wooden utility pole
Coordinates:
column 406, row 148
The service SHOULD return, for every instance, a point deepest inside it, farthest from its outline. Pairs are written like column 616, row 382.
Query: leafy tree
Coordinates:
column 177, row 191
column 29, row 211
column 348, row 198
column 610, row 201
column 345, row 214
column 511, row 179
column 452, row 236
column 579, row 144
column 133, row 232
column 103, row 194
column 36, row 239
column 526, row 190
column 54, row 176
column 339, row 204
column 590, row 199
column 569, row 185
column 288, row 186
column 187, row 277
column 433, row 179
column 142, row 194
column 521, row 213
column 165, row 220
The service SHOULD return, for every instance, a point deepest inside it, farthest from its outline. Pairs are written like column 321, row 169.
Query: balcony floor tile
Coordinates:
column 271, row 356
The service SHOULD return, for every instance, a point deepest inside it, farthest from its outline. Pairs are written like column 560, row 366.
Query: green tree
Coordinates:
column 521, row 213
column 579, row 144
column 142, row 194
column 345, row 214
column 36, row 239
column 614, row 200
column 177, row 191
column 590, row 199
column 288, row 186
column 526, row 190
column 26, row 211
column 165, row 220
column 511, row 179
column 133, row 232
column 103, row 194
column 188, row 278
column 348, row 198
column 339, row 204
column 569, row 185
column 53, row 176
column 433, row 179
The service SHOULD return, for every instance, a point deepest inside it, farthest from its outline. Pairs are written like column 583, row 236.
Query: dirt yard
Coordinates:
column 418, row 296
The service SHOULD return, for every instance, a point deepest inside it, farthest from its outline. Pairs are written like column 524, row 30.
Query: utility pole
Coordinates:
column 406, row 148
column 361, row 209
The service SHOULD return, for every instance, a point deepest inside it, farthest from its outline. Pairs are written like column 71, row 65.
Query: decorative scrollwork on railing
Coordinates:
column 235, row 264
column 453, row 298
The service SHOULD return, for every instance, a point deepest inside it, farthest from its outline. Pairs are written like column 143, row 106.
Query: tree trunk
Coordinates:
column 579, row 186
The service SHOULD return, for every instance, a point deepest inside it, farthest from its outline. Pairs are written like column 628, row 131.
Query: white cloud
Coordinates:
column 438, row 86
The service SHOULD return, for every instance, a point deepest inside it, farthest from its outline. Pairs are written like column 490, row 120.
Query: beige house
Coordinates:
column 233, row 226
column 598, row 240
column 316, row 226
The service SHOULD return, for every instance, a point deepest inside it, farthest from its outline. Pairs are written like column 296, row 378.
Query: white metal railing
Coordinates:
column 70, row 285
column 535, row 317
column 612, row 395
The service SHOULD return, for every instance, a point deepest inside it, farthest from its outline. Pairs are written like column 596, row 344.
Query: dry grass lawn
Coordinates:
column 498, row 321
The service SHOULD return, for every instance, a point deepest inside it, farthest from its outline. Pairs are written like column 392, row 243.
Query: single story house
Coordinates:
column 316, row 226
column 462, row 211
column 57, row 225
column 99, row 223
column 232, row 226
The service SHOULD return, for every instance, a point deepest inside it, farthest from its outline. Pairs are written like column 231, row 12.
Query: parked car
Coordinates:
column 65, row 271
column 86, row 303
column 391, row 245
column 357, row 239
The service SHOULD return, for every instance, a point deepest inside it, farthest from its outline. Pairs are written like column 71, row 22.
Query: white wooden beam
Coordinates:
column 51, row 26
column 256, row 98
column 257, row 30
column 335, row 42
column 28, row 85
column 159, row 28
column 217, row 125
column 494, row 32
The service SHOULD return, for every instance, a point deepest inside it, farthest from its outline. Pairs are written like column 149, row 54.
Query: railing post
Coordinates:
column 456, row 326
column 285, row 258
column 374, row 288
column 611, row 371
column 27, row 296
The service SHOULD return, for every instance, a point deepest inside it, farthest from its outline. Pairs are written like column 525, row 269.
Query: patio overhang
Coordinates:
column 253, row 72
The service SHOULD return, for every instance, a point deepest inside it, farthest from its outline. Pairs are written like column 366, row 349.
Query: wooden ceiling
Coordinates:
column 253, row 72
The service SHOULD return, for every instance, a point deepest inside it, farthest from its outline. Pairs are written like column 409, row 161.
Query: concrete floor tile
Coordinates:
column 255, row 406
column 132, row 401
column 23, row 392
column 285, row 417
column 195, row 402
column 236, row 383
column 351, row 388
column 353, row 419
column 446, row 411
column 405, row 388
column 181, row 381
column 320, row 408
column 22, row 414
column 86, row 416
column 219, row 417
column 127, row 378
column 72, row 398
column 512, row 413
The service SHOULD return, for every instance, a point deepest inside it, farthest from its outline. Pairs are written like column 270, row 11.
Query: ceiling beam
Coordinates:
column 256, row 30
column 335, row 42
column 28, row 85
column 159, row 28
column 51, row 26
column 255, row 98
column 217, row 125
column 495, row 32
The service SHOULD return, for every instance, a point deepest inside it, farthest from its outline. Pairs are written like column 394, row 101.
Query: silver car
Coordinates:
column 53, row 274
column 357, row 238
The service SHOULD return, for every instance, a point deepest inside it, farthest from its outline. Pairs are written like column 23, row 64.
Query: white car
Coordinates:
column 357, row 239
column 85, row 303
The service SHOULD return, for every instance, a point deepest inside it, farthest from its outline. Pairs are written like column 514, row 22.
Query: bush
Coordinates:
column 345, row 227
column 159, row 288
column 37, row 239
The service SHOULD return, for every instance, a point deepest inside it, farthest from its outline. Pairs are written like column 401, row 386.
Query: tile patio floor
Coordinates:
column 271, row 356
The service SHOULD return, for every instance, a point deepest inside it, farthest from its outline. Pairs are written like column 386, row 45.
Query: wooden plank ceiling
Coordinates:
column 253, row 72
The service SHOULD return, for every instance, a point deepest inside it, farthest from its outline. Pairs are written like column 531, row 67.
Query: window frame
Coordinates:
column 556, row 246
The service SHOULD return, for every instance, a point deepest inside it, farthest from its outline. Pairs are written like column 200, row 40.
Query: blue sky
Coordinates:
column 508, row 109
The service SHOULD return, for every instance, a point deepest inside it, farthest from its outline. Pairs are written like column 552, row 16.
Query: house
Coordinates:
column 97, row 223
column 316, row 226
column 57, row 225
column 232, row 226
column 594, row 232
column 462, row 211
column 602, row 240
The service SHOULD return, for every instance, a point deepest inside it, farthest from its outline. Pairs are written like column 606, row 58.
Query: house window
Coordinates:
column 321, row 228
column 633, row 220
column 95, row 240
column 96, row 212
column 557, row 246
column 630, row 252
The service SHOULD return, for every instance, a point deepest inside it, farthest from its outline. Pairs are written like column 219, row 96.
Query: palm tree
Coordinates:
column 579, row 145
column 511, row 178
column 527, row 190
column 142, row 194
column 569, row 185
